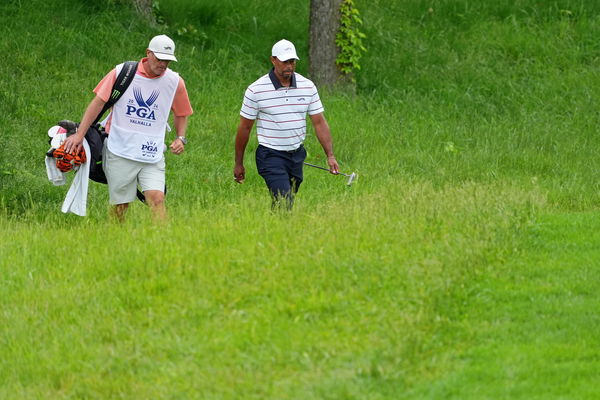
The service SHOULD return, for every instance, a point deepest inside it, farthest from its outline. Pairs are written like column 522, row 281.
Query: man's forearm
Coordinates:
column 323, row 133
column 181, row 124
column 324, row 137
column 241, row 141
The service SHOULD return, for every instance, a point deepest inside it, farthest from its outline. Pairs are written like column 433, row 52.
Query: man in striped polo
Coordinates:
column 279, row 102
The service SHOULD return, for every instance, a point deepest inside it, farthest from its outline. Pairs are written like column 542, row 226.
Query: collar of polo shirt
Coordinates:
column 278, row 84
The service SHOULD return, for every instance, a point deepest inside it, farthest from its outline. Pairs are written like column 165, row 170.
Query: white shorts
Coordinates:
column 124, row 175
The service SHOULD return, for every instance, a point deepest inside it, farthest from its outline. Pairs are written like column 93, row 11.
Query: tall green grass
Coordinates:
column 239, row 302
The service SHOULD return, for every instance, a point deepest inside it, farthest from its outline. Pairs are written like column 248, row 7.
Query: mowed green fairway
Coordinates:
column 531, row 325
column 462, row 264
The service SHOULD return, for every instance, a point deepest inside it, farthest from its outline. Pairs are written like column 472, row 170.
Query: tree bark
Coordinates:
column 144, row 8
column 322, row 50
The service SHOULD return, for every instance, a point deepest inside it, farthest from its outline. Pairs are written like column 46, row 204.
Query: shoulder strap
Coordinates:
column 121, row 84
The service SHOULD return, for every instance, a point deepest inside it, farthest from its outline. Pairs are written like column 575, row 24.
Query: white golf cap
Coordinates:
column 163, row 47
column 284, row 50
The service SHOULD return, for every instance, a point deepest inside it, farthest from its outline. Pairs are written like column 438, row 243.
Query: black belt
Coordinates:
column 284, row 151
column 295, row 150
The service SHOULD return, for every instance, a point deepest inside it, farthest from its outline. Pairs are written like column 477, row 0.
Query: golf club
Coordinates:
column 351, row 178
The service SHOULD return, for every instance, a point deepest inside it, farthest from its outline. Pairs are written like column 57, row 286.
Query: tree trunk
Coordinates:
column 144, row 8
column 322, row 50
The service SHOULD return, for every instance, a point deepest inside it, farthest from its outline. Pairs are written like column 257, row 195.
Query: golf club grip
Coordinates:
column 325, row 169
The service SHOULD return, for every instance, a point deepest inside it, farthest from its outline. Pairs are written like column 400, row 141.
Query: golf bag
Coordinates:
column 95, row 137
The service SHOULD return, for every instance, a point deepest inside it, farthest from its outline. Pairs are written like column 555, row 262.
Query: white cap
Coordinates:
column 284, row 50
column 163, row 47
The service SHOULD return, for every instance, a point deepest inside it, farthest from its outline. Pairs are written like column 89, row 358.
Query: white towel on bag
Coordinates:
column 76, row 199
column 55, row 176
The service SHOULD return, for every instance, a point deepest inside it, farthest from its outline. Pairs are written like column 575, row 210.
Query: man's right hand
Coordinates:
column 239, row 173
column 74, row 143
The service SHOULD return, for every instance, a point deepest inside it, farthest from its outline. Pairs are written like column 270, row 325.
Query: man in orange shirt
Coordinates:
column 137, row 124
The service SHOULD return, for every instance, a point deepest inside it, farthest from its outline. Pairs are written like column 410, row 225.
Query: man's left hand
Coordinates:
column 334, row 168
column 177, row 147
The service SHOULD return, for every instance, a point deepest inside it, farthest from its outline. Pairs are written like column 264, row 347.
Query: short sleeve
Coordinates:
column 104, row 87
column 181, row 102
column 249, row 105
column 315, row 106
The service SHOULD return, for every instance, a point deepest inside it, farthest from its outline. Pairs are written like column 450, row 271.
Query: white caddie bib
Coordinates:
column 139, row 118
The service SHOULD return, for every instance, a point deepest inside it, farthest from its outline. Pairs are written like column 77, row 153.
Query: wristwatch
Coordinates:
column 183, row 139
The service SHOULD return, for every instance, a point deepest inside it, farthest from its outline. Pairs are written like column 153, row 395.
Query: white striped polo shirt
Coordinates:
column 280, row 111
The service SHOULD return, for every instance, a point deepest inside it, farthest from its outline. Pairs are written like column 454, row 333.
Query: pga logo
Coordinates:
column 150, row 147
column 142, row 110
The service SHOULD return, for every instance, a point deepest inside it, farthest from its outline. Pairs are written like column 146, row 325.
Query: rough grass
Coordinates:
column 226, row 303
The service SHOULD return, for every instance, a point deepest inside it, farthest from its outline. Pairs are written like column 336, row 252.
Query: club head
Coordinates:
column 352, row 178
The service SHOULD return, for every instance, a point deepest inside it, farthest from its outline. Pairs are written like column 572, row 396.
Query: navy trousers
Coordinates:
column 282, row 172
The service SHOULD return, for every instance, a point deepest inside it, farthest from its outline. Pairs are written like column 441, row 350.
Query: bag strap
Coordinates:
column 121, row 84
